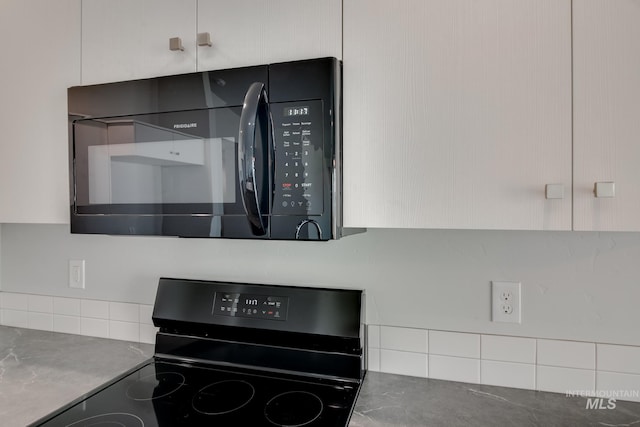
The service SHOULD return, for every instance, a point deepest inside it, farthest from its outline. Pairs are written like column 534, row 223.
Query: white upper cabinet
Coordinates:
column 129, row 39
column 41, row 58
column 457, row 114
column 606, row 70
column 250, row 32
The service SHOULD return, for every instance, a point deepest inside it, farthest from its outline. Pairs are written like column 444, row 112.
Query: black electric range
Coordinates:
column 237, row 354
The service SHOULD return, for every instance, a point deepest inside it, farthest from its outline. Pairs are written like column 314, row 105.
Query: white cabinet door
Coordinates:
column 41, row 58
column 250, row 32
column 457, row 113
column 129, row 39
column 606, row 69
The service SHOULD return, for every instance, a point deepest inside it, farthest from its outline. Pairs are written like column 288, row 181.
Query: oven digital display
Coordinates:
column 251, row 306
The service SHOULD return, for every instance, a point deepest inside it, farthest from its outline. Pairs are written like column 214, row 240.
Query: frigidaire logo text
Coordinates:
column 185, row 125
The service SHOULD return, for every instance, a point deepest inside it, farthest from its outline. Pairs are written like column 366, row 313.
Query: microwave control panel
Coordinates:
column 298, row 132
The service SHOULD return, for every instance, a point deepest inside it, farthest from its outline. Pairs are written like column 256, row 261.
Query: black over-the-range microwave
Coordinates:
column 251, row 153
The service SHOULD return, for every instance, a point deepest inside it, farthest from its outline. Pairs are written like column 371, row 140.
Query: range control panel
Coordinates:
column 249, row 305
column 299, row 158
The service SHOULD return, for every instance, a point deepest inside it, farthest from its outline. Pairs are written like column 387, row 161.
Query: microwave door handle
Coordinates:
column 246, row 156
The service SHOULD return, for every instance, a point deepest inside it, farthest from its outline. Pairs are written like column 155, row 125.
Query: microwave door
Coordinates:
column 253, row 139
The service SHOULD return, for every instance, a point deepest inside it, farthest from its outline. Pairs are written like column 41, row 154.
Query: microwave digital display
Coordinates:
column 296, row 111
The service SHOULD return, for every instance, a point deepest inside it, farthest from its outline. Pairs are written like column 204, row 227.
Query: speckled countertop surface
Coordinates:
column 393, row 400
column 41, row 371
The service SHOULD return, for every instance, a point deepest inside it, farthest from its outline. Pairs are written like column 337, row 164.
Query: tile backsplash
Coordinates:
column 573, row 367
column 570, row 367
column 104, row 319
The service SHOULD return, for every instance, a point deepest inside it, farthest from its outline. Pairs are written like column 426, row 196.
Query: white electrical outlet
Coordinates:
column 76, row 273
column 505, row 302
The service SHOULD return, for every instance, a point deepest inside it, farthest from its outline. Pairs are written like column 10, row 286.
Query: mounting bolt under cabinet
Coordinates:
column 505, row 302
column 76, row 273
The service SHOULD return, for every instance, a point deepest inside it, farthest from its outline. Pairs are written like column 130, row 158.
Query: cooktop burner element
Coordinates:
column 293, row 409
column 223, row 397
column 109, row 420
column 155, row 386
column 231, row 354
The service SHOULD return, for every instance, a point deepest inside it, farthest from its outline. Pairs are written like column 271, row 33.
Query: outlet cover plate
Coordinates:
column 506, row 302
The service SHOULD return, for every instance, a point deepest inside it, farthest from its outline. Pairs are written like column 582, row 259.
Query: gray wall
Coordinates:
column 582, row 286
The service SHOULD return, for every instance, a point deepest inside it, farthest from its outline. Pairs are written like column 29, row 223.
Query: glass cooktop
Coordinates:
column 164, row 393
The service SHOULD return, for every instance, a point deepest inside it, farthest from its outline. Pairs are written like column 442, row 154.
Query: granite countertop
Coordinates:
column 41, row 371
